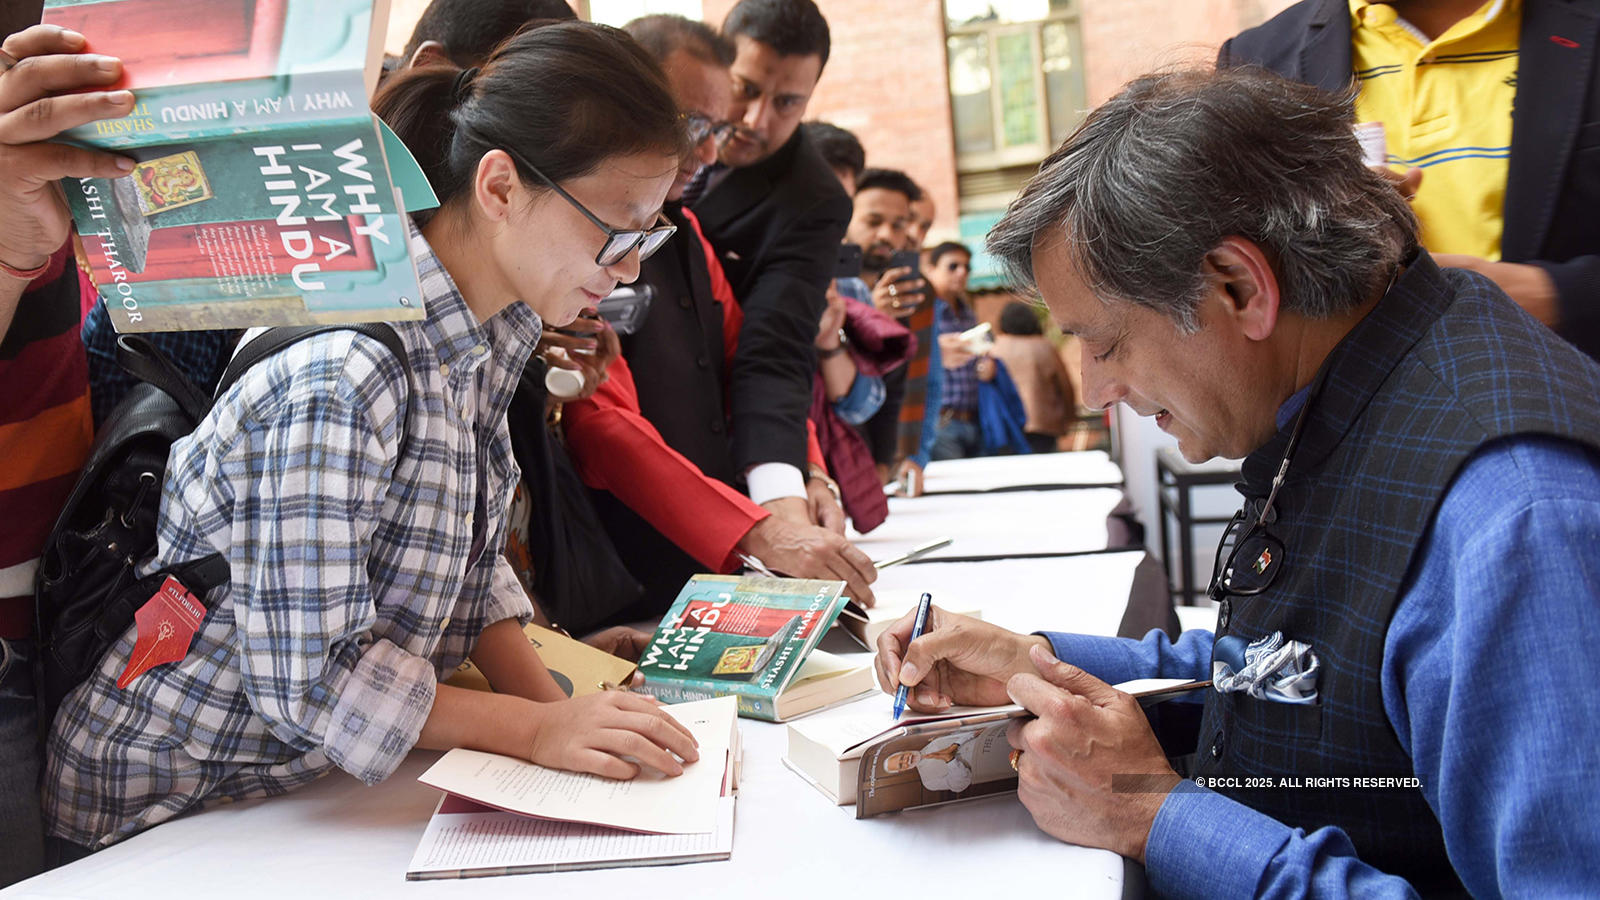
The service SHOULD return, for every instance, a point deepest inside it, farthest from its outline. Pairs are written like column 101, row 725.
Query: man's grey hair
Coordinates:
column 1158, row 175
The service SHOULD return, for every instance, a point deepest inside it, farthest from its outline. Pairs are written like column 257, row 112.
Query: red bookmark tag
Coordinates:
column 166, row 626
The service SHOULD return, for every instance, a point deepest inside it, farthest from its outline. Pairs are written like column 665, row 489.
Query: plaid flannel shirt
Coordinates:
column 961, row 383
column 358, row 578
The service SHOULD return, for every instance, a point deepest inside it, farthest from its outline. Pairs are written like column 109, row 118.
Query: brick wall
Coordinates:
column 1126, row 38
column 885, row 81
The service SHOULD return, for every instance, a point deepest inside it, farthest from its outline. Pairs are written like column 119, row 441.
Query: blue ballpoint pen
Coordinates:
column 916, row 631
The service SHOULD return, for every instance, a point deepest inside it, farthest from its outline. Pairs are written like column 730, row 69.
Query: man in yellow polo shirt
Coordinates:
column 1491, row 114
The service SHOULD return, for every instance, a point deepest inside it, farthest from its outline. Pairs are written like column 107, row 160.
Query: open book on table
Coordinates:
column 503, row 815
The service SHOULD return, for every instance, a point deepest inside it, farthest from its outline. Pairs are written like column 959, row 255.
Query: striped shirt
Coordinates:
column 44, row 429
column 359, row 575
column 1445, row 106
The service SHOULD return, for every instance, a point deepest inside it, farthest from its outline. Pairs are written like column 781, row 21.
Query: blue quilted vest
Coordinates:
column 1443, row 364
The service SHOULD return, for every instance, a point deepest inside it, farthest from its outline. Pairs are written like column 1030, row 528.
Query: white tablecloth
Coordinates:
column 1038, row 470
column 336, row 838
column 996, row 524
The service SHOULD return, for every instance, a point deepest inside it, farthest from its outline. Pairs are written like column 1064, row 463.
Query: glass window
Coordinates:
column 1063, row 85
column 958, row 13
column 1019, row 93
column 970, row 102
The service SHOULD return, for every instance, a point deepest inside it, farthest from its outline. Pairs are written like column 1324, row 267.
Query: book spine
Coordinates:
column 196, row 112
column 753, row 702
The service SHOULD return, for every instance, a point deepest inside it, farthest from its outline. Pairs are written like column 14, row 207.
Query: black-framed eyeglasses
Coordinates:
column 1250, row 556
column 619, row 241
column 699, row 127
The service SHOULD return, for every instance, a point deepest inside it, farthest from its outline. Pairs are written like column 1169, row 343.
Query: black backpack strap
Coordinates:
column 144, row 361
column 275, row 339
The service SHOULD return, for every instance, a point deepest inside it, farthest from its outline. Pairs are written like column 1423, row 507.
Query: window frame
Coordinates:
column 1023, row 154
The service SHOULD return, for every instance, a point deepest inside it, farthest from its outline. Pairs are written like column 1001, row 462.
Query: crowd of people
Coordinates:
column 1421, row 455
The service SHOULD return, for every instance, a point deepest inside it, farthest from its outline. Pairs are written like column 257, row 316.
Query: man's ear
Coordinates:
column 1241, row 277
column 429, row 53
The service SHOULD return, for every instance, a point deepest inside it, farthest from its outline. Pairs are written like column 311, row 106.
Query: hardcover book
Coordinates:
column 860, row 754
column 262, row 191
column 748, row 637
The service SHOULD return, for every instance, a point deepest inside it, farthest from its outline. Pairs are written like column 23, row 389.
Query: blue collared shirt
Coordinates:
column 1489, row 675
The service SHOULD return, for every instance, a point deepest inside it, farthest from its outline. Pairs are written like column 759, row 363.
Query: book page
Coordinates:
column 847, row 729
column 464, row 839
column 651, row 802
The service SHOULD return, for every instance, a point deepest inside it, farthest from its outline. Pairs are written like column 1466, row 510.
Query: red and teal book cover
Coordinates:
column 739, row 635
column 262, row 192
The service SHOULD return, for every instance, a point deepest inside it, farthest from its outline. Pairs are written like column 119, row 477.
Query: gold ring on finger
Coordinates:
column 1015, row 756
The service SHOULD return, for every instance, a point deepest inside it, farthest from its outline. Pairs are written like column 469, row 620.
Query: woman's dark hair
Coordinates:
column 566, row 96
column 1017, row 317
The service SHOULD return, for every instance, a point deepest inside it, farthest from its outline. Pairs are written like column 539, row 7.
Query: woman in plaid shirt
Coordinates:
column 365, row 564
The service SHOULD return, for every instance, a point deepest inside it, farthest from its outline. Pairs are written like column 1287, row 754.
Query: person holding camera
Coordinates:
column 966, row 364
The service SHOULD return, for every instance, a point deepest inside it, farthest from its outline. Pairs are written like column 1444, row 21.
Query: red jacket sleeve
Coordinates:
column 615, row 448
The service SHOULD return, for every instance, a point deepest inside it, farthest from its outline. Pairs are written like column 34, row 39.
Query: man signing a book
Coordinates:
column 1402, row 694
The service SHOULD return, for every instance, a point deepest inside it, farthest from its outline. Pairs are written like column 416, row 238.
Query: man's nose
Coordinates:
column 1101, row 390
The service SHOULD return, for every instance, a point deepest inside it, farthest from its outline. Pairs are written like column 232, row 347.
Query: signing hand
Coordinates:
column 958, row 660
column 594, row 733
column 1086, row 735
column 38, row 100
column 806, row 551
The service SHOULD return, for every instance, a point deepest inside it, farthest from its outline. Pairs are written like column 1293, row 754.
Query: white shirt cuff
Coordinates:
column 774, row 481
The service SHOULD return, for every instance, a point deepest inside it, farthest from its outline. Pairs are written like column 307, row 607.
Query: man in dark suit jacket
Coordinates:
column 775, row 214
column 1550, row 246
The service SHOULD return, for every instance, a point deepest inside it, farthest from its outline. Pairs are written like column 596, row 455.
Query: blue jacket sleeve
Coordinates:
column 1114, row 660
column 1486, row 665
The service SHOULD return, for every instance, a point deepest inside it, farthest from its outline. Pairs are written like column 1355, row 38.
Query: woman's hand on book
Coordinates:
column 958, row 661
column 594, row 733
column 40, row 98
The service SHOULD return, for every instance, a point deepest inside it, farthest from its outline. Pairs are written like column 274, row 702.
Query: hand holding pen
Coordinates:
column 921, row 622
